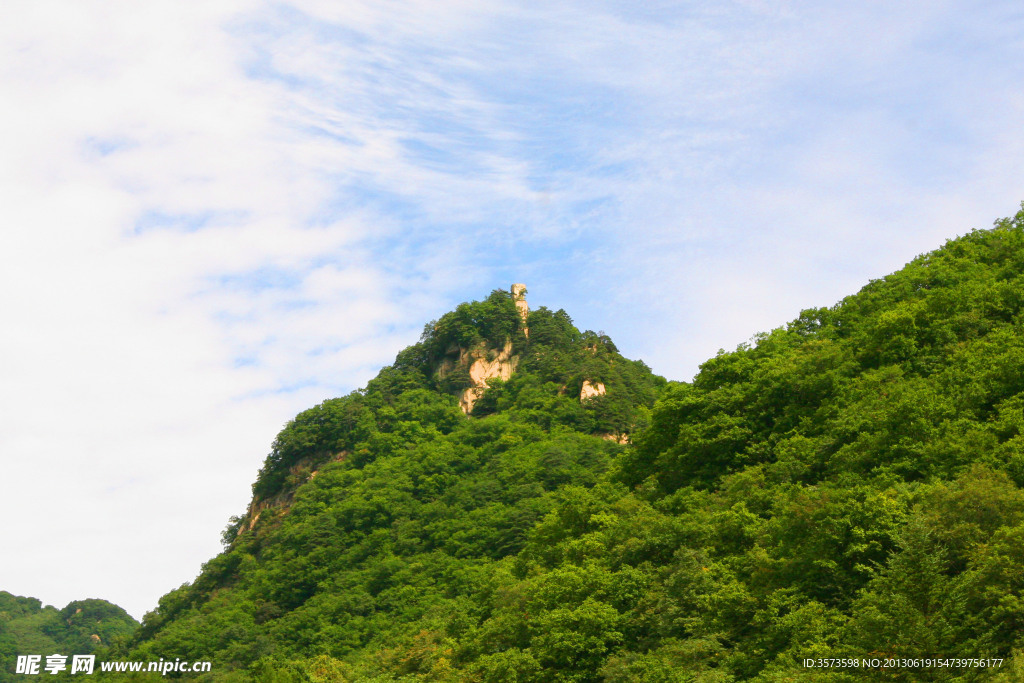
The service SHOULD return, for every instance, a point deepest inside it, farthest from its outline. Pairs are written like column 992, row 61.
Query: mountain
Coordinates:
column 82, row 627
column 513, row 500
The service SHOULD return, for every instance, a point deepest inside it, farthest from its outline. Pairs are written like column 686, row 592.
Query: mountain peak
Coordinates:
column 836, row 488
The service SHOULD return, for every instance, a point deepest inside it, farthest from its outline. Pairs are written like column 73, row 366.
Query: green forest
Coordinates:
column 83, row 627
column 848, row 485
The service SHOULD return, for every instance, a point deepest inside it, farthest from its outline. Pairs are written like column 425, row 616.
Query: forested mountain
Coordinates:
column 82, row 627
column 848, row 485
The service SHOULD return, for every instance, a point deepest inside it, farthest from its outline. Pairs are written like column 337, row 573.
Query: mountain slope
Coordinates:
column 383, row 515
column 27, row 627
column 848, row 485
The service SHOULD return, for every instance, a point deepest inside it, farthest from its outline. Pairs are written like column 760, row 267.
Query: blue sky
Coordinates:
column 217, row 216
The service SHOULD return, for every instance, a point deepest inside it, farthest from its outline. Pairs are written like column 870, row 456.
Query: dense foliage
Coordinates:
column 82, row 627
column 848, row 485
column 385, row 517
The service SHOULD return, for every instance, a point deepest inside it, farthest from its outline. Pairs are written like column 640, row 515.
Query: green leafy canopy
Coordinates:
column 846, row 485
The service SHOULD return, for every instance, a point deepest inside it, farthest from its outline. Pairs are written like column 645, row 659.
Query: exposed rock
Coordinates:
column 481, row 363
column 469, row 397
column 305, row 469
column 616, row 437
column 519, row 296
column 252, row 515
column 591, row 389
column 485, row 365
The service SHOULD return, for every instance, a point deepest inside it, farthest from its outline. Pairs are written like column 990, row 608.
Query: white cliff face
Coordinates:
column 519, row 296
column 591, row 389
column 496, row 363
column 484, row 364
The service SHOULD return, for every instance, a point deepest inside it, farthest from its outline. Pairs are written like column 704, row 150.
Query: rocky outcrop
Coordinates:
column 302, row 471
column 591, row 389
column 481, row 363
column 485, row 364
column 617, row 437
column 519, row 296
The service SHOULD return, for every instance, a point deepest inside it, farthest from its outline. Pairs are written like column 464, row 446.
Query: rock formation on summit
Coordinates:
column 523, row 308
column 482, row 362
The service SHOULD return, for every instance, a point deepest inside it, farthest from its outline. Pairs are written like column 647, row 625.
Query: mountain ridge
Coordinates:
column 847, row 484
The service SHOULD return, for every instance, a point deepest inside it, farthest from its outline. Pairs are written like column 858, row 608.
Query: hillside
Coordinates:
column 382, row 518
column 27, row 627
column 848, row 485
